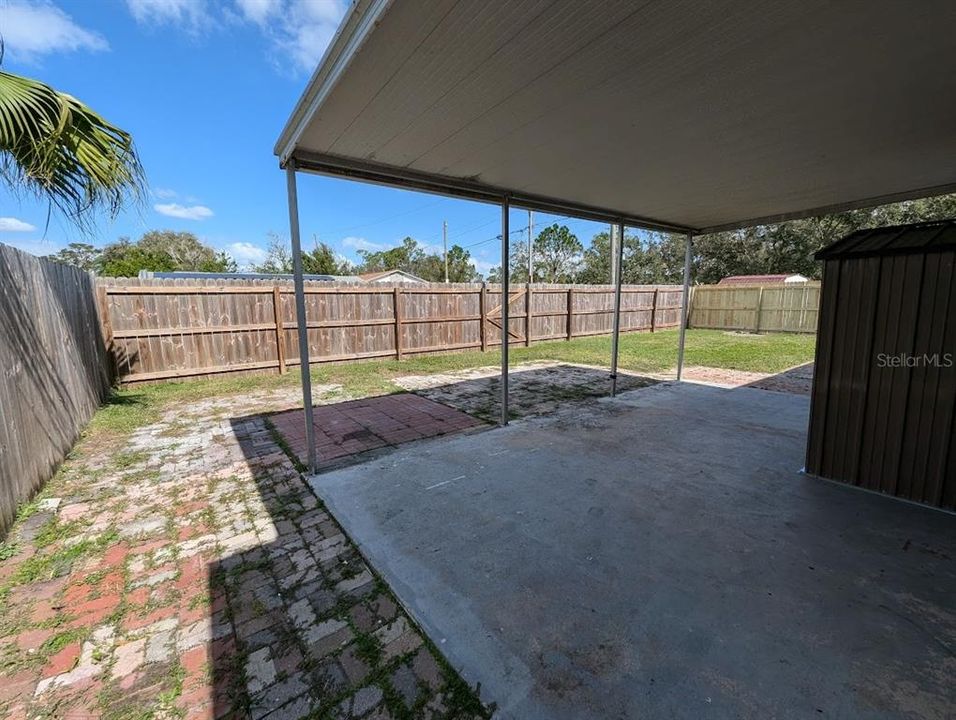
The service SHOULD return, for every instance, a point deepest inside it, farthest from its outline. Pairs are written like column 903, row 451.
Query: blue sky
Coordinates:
column 205, row 88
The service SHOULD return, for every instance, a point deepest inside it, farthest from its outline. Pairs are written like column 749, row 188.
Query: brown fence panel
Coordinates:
column 54, row 369
column 165, row 329
column 756, row 308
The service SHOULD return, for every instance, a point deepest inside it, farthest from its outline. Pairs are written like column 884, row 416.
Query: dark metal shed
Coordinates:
column 884, row 388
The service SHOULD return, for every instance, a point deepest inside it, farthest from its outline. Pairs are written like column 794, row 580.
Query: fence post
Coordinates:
column 759, row 304
column 527, row 317
column 570, row 313
column 280, row 332
column 482, row 309
column 103, row 300
column 397, row 305
column 654, row 310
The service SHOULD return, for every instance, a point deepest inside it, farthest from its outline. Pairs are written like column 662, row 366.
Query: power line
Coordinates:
column 384, row 219
column 434, row 238
column 519, row 231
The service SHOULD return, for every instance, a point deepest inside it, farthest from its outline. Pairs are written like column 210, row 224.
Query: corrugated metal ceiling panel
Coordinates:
column 699, row 114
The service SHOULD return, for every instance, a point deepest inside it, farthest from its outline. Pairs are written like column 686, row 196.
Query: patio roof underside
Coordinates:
column 673, row 114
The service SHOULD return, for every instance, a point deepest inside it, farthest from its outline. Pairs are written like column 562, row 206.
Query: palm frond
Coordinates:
column 57, row 148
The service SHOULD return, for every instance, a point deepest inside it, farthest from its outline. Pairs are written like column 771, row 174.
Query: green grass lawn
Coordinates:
column 639, row 352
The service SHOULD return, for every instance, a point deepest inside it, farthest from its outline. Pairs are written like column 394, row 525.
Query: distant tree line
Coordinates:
column 558, row 255
column 156, row 250
column 409, row 256
column 658, row 258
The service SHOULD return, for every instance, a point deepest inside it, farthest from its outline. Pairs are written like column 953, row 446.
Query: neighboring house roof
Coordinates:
column 763, row 279
column 391, row 275
column 186, row 275
column 931, row 236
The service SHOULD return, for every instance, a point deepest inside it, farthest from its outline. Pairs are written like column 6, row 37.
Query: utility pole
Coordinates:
column 530, row 246
column 444, row 242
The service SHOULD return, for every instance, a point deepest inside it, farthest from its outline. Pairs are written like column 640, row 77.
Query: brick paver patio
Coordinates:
column 350, row 428
column 188, row 571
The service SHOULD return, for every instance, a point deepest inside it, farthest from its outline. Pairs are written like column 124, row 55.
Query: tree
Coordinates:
column 81, row 255
column 56, row 148
column 408, row 257
column 162, row 251
column 125, row 258
column 412, row 258
column 719, row 255
column 278, row 258
column 780, row 248
column 596, row 260
column 557, row 255
column 321, row 260
column 460, row 267
column 186, row 251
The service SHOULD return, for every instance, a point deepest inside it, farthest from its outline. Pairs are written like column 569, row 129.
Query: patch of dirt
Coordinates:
column 797, row 380
column 534, row 388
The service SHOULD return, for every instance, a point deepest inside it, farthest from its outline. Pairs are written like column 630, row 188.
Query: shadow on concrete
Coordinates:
column 305, row 626
column 797, row 380
column 660, row 555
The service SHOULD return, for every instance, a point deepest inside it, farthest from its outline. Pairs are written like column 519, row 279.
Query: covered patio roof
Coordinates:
column 672, row 115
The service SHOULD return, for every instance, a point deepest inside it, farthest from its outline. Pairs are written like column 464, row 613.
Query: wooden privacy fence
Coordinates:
column 756, row 308
column 160, row 329
column 54, row 370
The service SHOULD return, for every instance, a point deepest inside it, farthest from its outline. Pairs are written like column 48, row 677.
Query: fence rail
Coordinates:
column 160, row 330
column 756, row 308
column 54, row 369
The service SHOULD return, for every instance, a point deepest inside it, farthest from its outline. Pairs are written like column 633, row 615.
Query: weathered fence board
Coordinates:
column 756, row 308
column 163, row 329
column 54, row 365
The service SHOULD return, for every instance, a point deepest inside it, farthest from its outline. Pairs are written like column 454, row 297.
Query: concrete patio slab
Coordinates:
column 660, row 555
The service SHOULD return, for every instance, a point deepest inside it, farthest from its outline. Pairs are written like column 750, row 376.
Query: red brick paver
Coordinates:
column 263, row 609
column 357, row 426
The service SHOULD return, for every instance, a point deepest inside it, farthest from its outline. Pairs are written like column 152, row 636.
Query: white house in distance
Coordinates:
column 764, row 279
column 390, row 277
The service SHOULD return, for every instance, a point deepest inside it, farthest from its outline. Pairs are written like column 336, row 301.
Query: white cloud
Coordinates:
column 31, row 30
column 188, row 14
column 304, row 30
column 246, row 253
column 432, row 248
column 165, row 193
column 357, row 243
column 12, row 224
column 258, row 11
column 184, row 212
column 483, row 266
column 297, row 30
column 36, row 247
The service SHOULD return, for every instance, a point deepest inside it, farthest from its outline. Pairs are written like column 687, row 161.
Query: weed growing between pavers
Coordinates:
column 108, row 600
column 458, row 699
column 157, row 537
